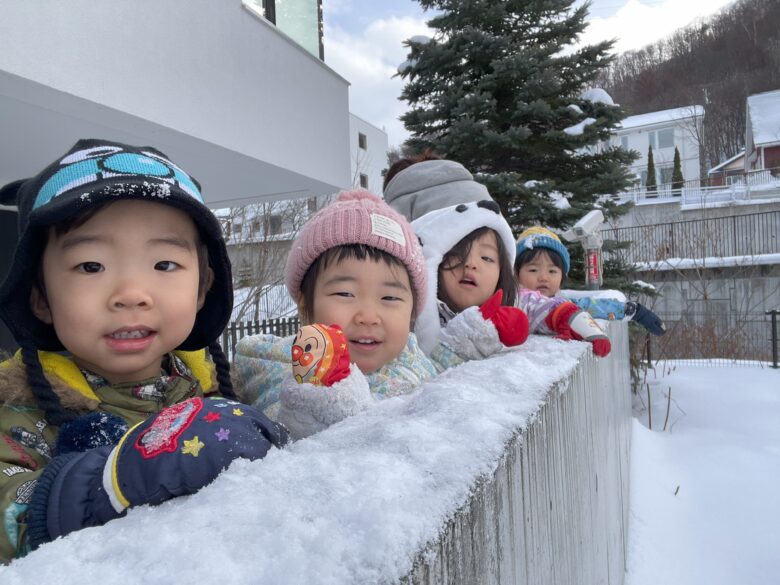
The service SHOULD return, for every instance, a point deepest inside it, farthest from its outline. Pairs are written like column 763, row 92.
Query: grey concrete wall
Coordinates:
column 670, row 211
column 556, row 509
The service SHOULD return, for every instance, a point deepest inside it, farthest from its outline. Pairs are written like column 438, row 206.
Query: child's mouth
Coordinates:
column 130, row 334
column 365, row 343
column 130, row 339
column 468, row 282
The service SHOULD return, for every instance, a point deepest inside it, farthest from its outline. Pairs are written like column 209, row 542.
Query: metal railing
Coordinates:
column 744, row 186
column 725, row 338
column 236, row 330
column 738, row 235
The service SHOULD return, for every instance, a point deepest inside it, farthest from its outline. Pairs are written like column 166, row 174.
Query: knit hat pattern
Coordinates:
column 91, row 173
column 356, row 217
column 432, row 184
column 540, row 237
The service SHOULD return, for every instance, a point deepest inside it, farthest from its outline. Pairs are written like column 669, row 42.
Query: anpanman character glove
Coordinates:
column 320, row 355
column 177, row 452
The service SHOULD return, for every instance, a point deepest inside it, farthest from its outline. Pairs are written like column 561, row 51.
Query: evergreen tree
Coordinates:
column 678, row 182
column 499, row 90
column 650, row 183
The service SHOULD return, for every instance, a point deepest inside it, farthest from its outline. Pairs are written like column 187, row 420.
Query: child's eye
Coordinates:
column 343, row 293
column 391, row 298
column 90, row 267
column 488, row 259
column 166, row 266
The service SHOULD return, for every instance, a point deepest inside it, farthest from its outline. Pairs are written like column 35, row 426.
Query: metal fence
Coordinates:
column 735, row 187
column 236, row 330
column 738, row 235
column 726, row 339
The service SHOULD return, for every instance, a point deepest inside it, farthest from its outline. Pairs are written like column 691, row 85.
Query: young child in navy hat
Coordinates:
column 542, row 264
column 119, row 290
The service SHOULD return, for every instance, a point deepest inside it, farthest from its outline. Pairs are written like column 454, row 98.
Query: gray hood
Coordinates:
column 432, row 184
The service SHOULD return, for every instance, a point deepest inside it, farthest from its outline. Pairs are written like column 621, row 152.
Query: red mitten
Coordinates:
column 320, row 355
column 569, row 322
column 510, row 322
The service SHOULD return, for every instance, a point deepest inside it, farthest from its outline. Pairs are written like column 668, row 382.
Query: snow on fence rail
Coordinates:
column 512, row 469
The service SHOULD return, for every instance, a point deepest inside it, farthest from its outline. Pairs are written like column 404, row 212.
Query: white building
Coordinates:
column 368, row 154
column 212, row 83
column 248, row 107
column 663, row 130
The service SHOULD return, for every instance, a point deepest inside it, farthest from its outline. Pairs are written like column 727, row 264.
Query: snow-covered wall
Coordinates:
column 513, row 469
column 555, row 511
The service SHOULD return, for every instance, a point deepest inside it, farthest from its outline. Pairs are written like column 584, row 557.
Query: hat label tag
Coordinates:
column 387, row 228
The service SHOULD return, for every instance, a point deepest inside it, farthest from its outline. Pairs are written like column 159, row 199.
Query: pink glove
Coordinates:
column 569, row 322
column 320, row 355
column 510, row 322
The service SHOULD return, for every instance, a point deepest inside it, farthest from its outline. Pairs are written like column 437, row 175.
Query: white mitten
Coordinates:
column 306, row 409
column 470, row 335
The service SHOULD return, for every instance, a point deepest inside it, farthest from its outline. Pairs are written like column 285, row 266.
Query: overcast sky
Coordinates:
column 363, row 43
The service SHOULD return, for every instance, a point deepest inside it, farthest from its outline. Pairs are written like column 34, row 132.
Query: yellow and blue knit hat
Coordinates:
column 90, row 173
column 539, row 237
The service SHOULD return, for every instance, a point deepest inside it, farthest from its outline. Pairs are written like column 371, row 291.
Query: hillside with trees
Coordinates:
column 716, row 63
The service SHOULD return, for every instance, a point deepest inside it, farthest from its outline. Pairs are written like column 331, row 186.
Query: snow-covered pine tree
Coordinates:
column 501, row 89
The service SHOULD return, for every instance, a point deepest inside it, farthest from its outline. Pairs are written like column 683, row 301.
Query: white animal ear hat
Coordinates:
column 439, row 231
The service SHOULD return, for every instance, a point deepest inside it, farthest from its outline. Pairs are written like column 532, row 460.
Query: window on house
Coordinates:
column 661, row 138
column 227, row 226
column 643, row 180
column 624, row 142
column 245, row 271
column 256, row 226
column 237, row 227
column 364, row 181
column 275, row 224
column 362, row 141
column 665, row 175
column 311, row 205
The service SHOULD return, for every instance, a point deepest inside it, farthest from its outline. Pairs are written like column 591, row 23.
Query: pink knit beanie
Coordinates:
column 357, row 217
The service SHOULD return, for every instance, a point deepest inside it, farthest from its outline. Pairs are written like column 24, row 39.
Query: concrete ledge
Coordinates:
column 556, row 509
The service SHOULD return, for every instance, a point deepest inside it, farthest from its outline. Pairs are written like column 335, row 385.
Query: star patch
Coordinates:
column 238, row 412
column 192, row 447
column 212, row 416
column 222, row 434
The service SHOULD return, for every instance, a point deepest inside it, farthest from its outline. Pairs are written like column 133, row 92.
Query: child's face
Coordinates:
column 372, row 302
column 121, row 290
column 472, row 283
column 541, row 274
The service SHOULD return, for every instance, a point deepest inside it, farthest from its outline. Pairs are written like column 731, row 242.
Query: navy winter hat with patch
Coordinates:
column 91, row 173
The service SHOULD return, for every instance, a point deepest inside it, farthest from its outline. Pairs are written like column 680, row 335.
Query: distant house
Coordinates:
column 732, row 169
column 663, row 130
column 762, row 132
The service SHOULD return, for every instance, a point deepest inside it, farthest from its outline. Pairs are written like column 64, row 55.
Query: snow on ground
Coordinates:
column 709, row 262
column 352, row 504
column 704, row 493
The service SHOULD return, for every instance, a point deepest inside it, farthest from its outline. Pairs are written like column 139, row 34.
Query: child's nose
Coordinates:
column 367, row 314
column 130, row 295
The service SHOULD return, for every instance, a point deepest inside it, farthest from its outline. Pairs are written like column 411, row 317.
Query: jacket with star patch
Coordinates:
column 27, row 440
